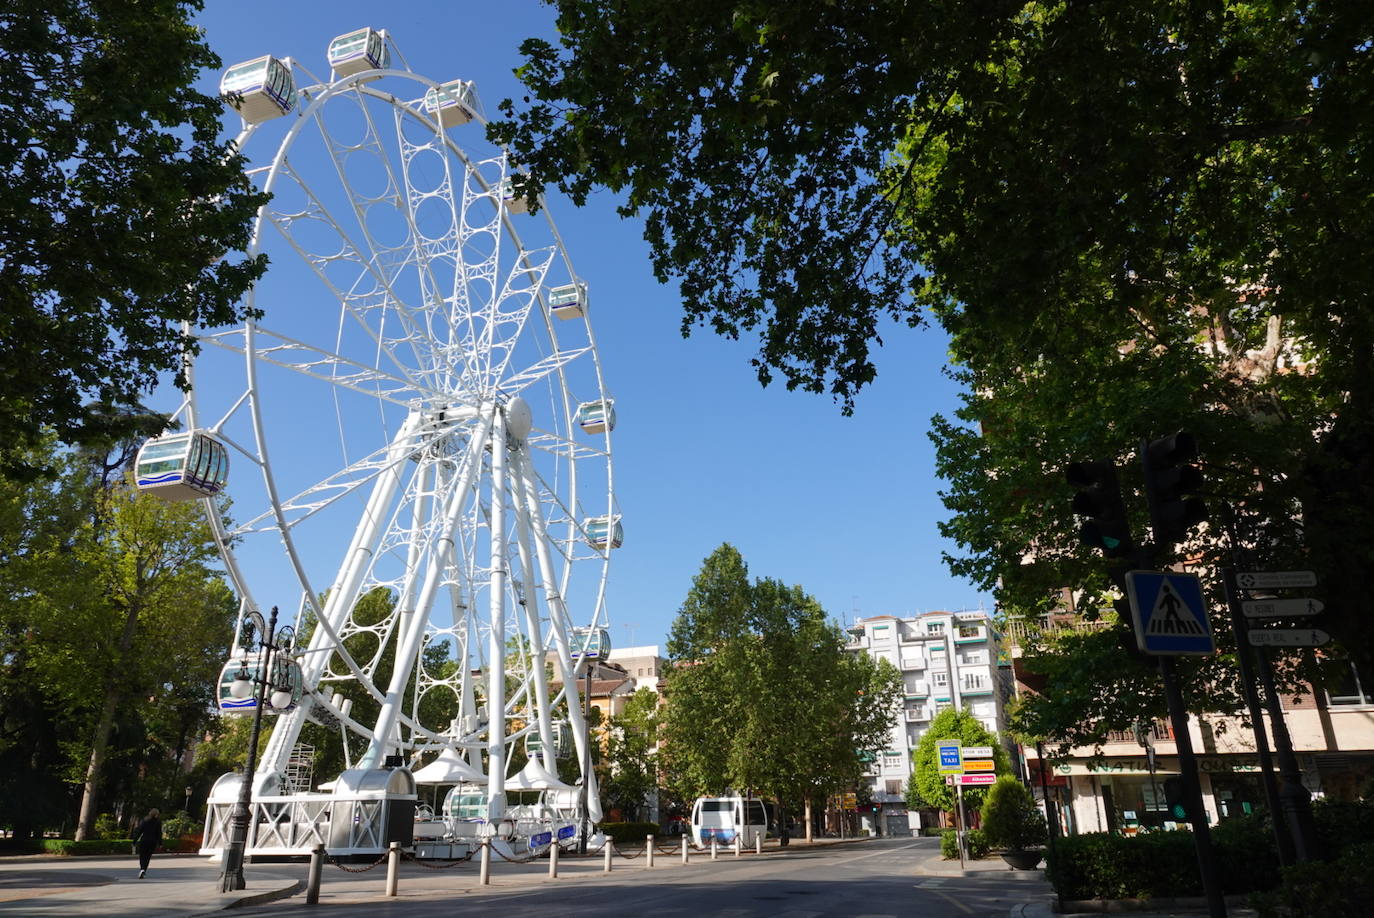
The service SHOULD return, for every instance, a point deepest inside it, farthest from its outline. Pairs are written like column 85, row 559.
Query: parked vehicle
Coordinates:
column 725, row 818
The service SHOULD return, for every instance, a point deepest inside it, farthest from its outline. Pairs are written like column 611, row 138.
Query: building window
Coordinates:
column 892, row 759
column 1348, row 686
column 895, row 787
column 969, row 631
column 940, row 679
column 975, row 658
column 935, row 627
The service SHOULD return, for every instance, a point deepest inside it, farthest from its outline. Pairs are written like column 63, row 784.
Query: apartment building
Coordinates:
column 947, row 659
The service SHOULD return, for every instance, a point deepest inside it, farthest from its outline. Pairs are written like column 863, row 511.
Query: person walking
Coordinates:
column 146, row 837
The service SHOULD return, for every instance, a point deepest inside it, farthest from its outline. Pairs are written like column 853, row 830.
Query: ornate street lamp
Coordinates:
column 269, row 640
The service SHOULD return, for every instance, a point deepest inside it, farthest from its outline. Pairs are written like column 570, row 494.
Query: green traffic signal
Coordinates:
column 1098, row 497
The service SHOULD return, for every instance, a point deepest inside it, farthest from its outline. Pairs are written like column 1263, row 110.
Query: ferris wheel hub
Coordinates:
column 519, row 420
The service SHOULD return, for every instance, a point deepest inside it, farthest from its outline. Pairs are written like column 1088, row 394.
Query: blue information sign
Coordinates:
column 567, row 832
column 1169, row 614
column 951, row 757
column 543, row 838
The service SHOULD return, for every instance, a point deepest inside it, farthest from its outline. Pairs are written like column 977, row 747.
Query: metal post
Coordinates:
column 609, row 850
column 648, row 851
column 715, row 848
column 312, row 884
column 1247, row 683
column 739, row 845
column 393, row 868
column 1293, row 797
column 232, row 877
column 684, row 849
column 585, row 817
column 959, row 820
column 1192, row 789
column 553, row 860
column 484, row 872
column 1051, row 814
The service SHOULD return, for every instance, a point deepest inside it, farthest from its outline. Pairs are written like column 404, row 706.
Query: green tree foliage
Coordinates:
column 630, row 770
column 958, row 725
column 761, row 694
column 121, row 204
column 114, row 625
column 1131, row 218
column 1010, row 817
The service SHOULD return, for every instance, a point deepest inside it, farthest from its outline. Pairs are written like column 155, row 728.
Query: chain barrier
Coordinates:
column 340, row 864
column 436, row 865
column 513, row 860
column 615, row 849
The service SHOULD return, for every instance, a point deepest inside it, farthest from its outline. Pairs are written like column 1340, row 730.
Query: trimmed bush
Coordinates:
column 1106, row 866
column 976, row 839
column 96, row 846
column 626, row 833
column 1312, row 890
column 1010, row 817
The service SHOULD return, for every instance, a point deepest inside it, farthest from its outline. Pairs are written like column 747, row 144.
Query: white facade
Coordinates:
column 947, row 659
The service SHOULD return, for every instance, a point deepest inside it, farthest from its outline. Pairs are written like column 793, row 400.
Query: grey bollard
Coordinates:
column 648, row 851
column 393, row 868
column 553, row 861
column 484, row 874
column 609, row 849
column 684, row 849
column 739, row 845
column 312, row 884
column 758, row 843
column 715, row 847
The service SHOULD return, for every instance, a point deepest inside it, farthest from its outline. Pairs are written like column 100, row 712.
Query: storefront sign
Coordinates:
column 1164, row 764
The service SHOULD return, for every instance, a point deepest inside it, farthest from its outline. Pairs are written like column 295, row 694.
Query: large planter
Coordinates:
column 1024, row 859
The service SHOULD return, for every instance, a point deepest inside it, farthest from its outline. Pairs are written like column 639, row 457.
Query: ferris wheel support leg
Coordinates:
column 342, row 594
column 558, row 618
column 418, row 612
column 496, row 654
column 520, row 489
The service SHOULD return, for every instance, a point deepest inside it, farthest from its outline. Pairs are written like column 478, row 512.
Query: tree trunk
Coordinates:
column 85, row 824
column 809, row 835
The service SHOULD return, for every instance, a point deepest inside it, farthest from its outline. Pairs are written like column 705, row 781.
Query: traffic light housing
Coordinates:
column 1175, row 802
column 1098, row 497
column 1171, row 483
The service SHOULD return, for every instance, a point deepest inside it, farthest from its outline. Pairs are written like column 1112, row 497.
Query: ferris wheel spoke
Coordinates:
column 325, row 366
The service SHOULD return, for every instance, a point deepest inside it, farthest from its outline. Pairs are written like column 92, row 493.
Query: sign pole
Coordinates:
column 1192, row 788
column 1247, row 683
column 1293, row 797
column 959, row 821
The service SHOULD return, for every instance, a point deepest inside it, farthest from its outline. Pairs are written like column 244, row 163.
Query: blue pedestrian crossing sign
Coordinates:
column 1169, row 614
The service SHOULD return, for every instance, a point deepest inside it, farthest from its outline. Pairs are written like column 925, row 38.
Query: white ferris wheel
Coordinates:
column 419, row 436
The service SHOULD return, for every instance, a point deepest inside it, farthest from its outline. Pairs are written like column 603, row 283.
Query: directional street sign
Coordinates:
column 977, row 752
column 951, row 760
column 1274, row 608
column 1169, row 613
column 1290, row 637
column 977, row 779
column 1275, row 580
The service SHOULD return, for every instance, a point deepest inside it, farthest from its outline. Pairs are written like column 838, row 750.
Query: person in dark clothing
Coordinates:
column 146, row 837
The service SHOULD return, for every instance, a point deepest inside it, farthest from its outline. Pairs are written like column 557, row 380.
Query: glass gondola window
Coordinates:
column 264, row 88
column 605, row 532
column 362, row 49
column 596, row 417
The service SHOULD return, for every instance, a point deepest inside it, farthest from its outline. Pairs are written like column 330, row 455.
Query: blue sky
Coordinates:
column 844, row 506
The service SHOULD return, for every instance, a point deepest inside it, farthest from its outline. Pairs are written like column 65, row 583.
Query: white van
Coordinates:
column 725, row 818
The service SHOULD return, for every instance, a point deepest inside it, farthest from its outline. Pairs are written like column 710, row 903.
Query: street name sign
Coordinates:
column 1169, row 614
column 978, row 779
column 1275, row 580
column 1273, row 608
column 976, row 764
column 951, row 758
column 977, row 752
column 1290, row 637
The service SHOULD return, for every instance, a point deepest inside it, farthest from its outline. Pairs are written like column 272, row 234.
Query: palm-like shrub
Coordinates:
column 1011, row 820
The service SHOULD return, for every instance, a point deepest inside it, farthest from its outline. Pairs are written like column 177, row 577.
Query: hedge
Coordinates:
column 95, row 846
column 976, row 840
column 624, row 833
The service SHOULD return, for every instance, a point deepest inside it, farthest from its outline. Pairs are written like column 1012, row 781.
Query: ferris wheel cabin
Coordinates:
column 591, row 644
column 239, row 680
column 562, row 741
column 362, row 49
column 183, row 466
column 453, row 103
column 596, row 417
column 514, row 204
column 569, row 301
column 262, row 89
column 605, row 532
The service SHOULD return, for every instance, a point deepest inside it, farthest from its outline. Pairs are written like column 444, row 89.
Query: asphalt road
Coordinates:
column 876, row 879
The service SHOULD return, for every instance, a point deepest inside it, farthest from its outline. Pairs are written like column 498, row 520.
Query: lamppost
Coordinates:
column 187, row 809
column 269, row 640
column 588, row 663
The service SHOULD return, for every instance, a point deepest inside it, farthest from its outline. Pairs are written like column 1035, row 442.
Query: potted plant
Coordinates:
column 1013, row 823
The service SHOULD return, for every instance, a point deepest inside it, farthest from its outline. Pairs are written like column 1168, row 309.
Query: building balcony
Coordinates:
column 916, row 715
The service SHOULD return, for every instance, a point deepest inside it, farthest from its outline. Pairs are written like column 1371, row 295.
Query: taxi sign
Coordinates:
column 950, row 757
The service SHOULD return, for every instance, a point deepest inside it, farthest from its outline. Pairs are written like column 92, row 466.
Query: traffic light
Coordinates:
column 1098, row 497
column 1174, row 801
column 1170, row 483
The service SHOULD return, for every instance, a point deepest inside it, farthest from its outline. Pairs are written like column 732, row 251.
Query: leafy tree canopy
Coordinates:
column 1131, row 218
column 928, row 784
column 761, row 694
column 120, row 206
